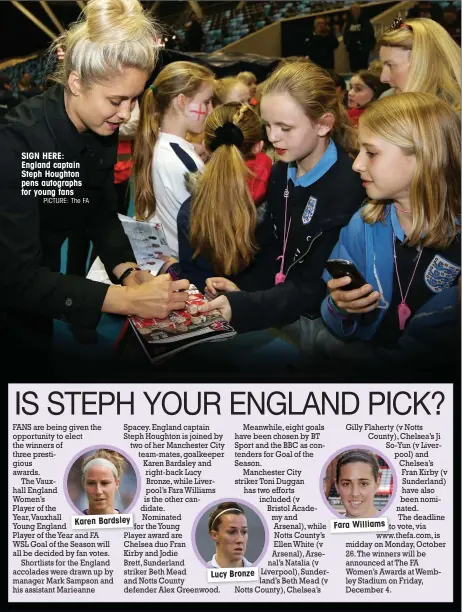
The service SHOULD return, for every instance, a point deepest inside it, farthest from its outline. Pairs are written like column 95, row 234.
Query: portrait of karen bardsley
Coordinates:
column 102, row 481
column 358, row 483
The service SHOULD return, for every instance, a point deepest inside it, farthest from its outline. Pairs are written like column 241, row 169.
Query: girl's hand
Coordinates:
column 356, row 301
column 217, row 285
column 221, row 303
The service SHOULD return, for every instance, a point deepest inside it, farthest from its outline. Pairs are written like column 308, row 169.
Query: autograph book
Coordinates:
column 162, row 338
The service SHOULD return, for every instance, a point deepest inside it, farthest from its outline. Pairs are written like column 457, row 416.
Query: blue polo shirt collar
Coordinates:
column 398, row 230
column 324, row 164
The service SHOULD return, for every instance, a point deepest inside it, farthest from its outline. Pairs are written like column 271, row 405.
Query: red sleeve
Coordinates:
column 354, row 114
column 258, row 184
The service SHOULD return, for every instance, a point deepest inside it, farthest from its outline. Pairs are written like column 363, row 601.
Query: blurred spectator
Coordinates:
column 27, row 88
column 359, row 39
column 7, row 99
column 230, row 89
column 426, row 10
column 337, row 25
column 250, row 80
column 321, row 44
column 194, row 38
column 451, row 23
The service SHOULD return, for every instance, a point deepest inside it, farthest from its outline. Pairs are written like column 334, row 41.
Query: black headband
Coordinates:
column 227, row 134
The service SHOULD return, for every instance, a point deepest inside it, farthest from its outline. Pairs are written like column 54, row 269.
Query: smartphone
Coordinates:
column 338, row 268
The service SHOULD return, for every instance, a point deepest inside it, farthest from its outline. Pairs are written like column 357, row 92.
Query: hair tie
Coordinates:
column 153, row 88
column 227, row 134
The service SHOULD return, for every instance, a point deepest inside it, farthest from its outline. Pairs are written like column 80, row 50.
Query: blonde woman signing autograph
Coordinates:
column 109, row 55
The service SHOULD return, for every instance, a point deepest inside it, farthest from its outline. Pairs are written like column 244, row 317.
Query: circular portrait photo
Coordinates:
column 102, row 481
column 230, row 534
column 358, row 483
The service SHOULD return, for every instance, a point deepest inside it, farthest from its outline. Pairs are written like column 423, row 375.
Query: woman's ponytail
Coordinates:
column 146, row 137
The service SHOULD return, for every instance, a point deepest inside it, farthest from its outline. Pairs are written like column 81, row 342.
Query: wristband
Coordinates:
column 172, row 271
column 127, row 272
column 335, row 310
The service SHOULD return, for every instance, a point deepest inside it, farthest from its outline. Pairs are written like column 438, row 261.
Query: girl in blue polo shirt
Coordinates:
column 313, row 192
column 406, row 240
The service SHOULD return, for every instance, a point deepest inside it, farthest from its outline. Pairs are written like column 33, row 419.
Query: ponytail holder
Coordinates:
column 153, row 88
column 227, row 134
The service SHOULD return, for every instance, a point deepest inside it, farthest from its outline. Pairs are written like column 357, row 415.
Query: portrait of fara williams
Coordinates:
column 359, row 483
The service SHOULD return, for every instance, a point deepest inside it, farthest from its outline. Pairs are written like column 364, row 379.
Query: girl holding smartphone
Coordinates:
column 406, row 240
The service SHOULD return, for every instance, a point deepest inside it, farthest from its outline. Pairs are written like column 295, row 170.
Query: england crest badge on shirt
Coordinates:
column 441, row 274
column 309, row 210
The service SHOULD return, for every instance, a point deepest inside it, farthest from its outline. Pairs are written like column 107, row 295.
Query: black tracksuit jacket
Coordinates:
column 33, row 229
column 338, row 195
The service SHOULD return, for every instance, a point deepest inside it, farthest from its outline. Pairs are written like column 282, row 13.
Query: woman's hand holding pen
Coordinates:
column 158, row 298
column 153, row 299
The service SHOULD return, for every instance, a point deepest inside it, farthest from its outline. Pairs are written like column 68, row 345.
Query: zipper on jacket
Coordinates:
column 304, row 254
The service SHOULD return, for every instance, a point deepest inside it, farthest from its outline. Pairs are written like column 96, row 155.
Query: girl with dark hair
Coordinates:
column 365, row 87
